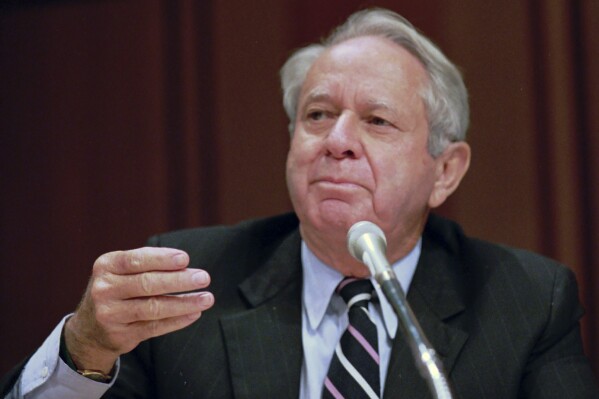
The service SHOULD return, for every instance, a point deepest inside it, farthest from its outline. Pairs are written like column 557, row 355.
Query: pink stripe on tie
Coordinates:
column 360, row 338
column 345, row 282
column 331, row 388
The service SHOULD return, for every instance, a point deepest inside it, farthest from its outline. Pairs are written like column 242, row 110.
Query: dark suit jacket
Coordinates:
column 505, row 322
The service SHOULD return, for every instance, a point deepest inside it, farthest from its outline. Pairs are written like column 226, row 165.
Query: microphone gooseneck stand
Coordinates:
column 366, row 242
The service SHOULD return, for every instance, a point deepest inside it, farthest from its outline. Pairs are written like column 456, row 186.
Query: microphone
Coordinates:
column 367, row 243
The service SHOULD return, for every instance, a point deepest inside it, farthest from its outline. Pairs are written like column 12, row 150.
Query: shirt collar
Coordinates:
column 321, row 280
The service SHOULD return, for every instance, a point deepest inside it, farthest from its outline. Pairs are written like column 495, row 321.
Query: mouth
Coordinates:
column 337, row 183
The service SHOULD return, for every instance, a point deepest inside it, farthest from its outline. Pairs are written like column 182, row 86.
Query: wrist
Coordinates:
column 84, row 356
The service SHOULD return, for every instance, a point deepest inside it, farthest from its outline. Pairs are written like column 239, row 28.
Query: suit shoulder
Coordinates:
column 262, row 229
column 255, row 232
column 486, row 257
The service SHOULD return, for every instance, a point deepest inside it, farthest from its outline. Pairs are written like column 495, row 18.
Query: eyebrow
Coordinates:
column 317, row 94
column 320, row 94
column 380, row 104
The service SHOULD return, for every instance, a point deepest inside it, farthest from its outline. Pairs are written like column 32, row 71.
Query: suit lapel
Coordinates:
column 436, row 295
column 264, row 342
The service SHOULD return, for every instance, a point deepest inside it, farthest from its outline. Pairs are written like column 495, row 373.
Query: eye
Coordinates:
column 378, row 121
column 317, row 115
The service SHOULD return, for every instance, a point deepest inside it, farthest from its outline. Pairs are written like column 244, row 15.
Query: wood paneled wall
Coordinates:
column 120, row 119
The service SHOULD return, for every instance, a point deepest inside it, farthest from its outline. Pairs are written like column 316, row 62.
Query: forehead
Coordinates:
column 375, row 67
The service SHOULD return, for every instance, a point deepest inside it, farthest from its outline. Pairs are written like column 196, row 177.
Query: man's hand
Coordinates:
column 129, row 299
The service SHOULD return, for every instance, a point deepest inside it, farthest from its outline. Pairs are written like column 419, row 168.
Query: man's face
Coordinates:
column 359, row 149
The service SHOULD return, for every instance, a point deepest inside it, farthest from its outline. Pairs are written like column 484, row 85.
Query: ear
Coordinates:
column 451, row 166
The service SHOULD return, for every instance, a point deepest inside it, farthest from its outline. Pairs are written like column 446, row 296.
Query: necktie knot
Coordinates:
column 355, row 291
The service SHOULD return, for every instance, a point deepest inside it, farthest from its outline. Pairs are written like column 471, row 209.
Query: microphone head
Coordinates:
column 363, row 234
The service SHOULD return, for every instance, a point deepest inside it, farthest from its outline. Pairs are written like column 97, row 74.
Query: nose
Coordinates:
column 342, row 141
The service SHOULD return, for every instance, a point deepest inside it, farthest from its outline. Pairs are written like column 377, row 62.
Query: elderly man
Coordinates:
column 378, row 118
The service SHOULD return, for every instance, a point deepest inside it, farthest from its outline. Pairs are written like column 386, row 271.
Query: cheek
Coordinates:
column 401, row 178
column 302, row 152
column 298, row 161
column 294, row 160
column 291, row 174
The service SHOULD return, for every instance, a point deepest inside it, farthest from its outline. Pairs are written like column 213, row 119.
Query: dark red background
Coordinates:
column 120, row 119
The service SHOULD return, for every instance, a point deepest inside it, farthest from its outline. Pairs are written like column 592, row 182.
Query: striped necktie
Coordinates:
column 354, row 370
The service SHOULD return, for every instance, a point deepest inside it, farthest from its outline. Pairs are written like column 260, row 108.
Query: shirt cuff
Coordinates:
column 46, row 375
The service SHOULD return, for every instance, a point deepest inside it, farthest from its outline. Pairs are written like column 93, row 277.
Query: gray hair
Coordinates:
column 445, row 96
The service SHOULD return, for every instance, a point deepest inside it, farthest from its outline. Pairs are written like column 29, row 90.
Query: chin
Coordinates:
column 337, row 220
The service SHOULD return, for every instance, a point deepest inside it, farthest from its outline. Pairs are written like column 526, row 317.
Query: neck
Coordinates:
column 331, row 249
column 334, row 253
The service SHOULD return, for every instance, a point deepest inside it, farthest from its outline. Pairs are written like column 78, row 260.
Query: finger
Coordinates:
column 141, row 260
column 155, row 308
column 153, row 283
column 155, row 328
column 108, row 287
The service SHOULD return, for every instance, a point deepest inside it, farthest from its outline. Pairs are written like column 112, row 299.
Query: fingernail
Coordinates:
column 201, row 277
column 180, row 259
column 207, row 299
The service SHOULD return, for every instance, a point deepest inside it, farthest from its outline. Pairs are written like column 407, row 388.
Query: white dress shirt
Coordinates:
column 324, row 317
column 47, row 376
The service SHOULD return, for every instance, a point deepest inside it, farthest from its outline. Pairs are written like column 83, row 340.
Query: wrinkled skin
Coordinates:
column 359, row 151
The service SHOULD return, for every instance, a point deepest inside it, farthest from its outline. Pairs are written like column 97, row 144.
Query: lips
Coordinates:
column 337, row 182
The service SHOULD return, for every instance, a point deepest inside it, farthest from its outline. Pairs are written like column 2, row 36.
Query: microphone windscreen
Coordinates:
column 361, row 230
